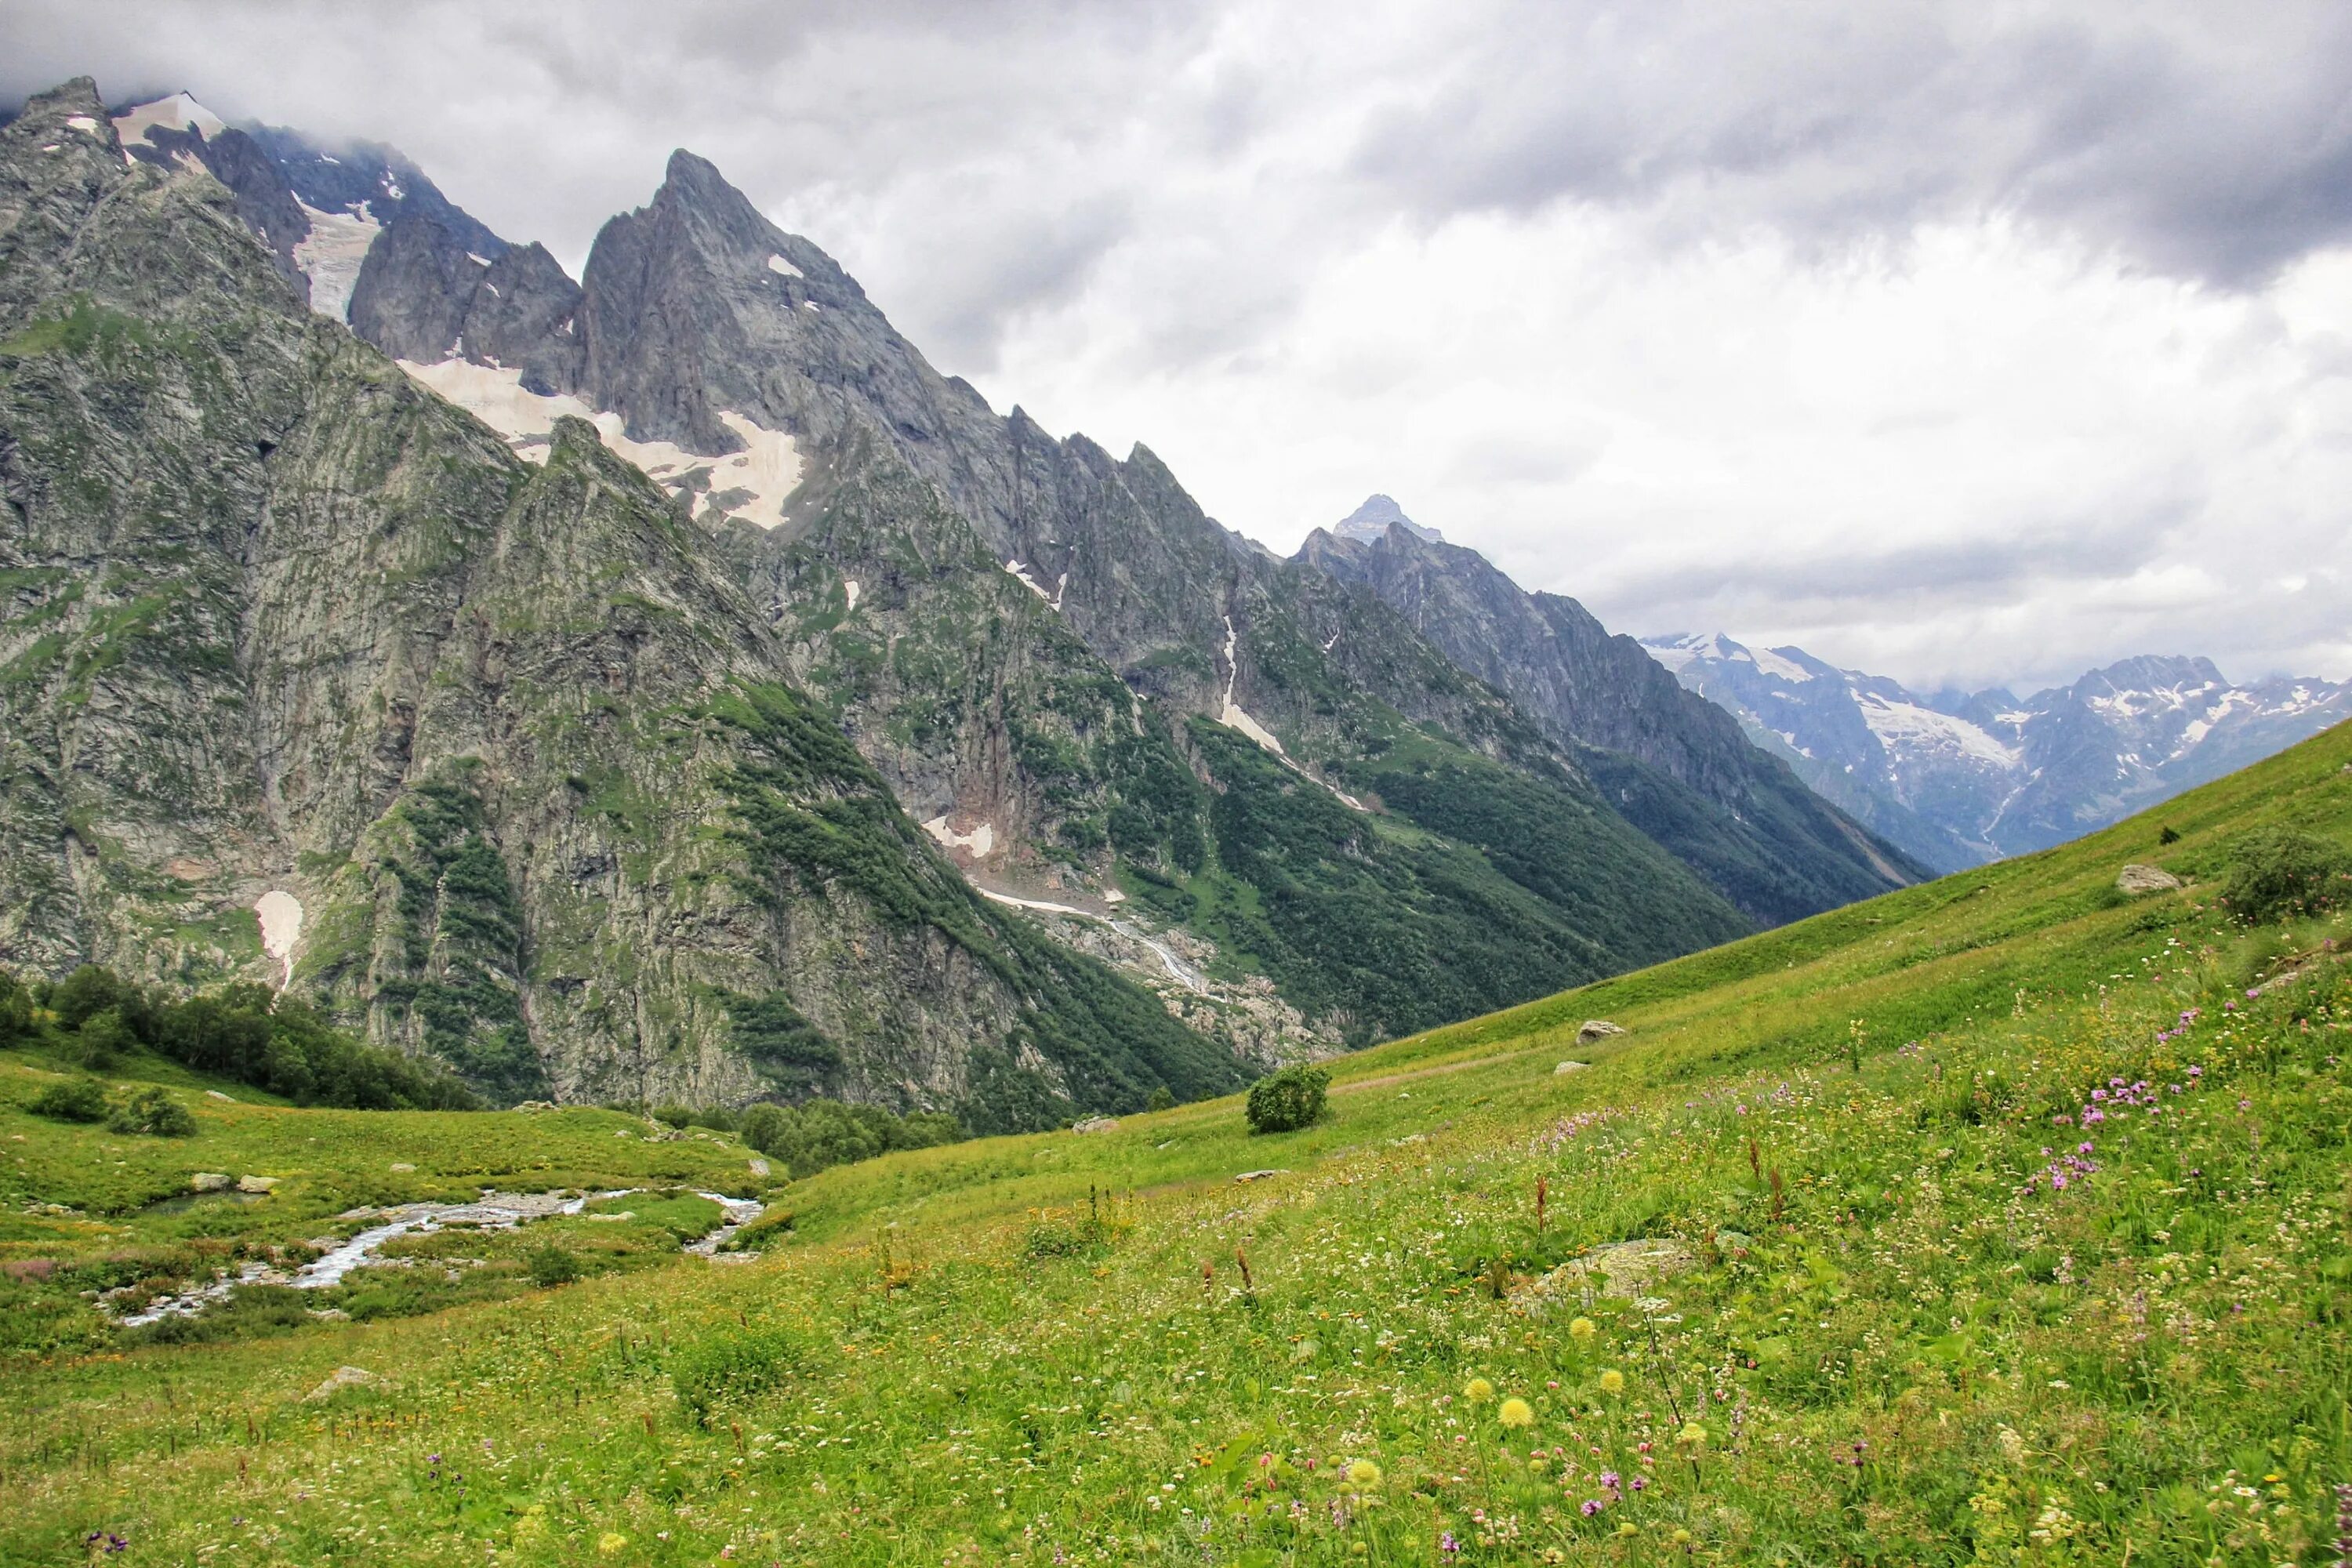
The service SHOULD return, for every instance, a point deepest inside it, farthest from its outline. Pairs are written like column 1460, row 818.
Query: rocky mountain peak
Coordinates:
column 1369, row 523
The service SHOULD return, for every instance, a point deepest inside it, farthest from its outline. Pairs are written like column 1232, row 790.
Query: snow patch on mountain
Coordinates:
column 177, row 112
column 330, row 256
column 280, row 914
column 981, row 840
column 1906, row 728
column 752, row 484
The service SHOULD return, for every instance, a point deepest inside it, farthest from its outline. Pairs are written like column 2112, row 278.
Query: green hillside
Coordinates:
column 2001, row 1219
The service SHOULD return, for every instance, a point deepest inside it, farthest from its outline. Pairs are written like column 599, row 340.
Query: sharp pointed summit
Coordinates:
column 1370, row 522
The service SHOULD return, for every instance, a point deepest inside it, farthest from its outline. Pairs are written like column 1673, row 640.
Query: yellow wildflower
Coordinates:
column 1613, row 1381
column 1581, row 1329
column 1363, row 1473
column 1692, row 1436
column 611, row 1542
column 1477, row 1391
column 1516, row 1412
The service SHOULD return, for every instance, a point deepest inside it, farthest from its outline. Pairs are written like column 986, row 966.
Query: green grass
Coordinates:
column 1897, row 1342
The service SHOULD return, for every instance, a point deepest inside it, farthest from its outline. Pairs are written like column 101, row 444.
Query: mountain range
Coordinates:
column 1960, row 778
column 665, row 684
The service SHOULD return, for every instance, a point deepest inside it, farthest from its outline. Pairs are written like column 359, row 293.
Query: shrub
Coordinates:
column 103, row 1040
column 2277, row 873
column 1289, row 1100
column 678, row 1116
column 154, row 1114
column 733, row 1364
column 553, row 1265
column 76, row 1100
column 1160, row 1099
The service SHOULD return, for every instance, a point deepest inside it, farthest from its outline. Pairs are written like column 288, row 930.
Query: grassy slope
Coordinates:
column 1913, row 1358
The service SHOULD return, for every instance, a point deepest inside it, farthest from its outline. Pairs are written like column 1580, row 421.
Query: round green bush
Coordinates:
column 154, row 1114
column 1289, row 1100
column 76, row 1100
column 2277, row 874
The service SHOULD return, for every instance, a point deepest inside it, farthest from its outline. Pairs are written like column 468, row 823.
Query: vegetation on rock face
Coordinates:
column 243, row 1032
column 1998, row 1219
column 1289, row 1100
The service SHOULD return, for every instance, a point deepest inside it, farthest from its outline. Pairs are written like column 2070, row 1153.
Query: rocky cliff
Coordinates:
column 1674, row 764
column 496, row 742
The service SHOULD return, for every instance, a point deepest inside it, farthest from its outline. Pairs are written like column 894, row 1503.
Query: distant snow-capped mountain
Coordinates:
column 1962, row 778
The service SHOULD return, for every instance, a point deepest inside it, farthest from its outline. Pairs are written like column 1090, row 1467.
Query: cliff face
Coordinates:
column 1677, row 766
column 1026, row 636
column 537, row 772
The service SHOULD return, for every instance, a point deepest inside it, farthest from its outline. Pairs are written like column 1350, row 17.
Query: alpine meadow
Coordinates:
column 635, row 930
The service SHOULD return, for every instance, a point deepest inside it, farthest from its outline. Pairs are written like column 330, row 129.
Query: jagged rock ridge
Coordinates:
column 531, row 768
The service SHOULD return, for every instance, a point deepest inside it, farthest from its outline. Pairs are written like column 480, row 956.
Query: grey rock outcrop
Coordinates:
column 272, row 617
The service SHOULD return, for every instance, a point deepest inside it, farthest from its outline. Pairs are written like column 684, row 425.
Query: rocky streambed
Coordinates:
column 492, row 1211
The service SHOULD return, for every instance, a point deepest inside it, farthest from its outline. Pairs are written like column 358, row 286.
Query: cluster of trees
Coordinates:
column 95, row 1018
column 821, row 1134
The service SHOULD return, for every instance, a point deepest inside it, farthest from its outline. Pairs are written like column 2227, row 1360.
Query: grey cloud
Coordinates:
column 2208, row 142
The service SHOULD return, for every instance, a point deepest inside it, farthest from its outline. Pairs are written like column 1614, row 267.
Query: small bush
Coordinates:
column 2277, row 874
column 154, row 1114
column 1287, row 1100
column 678, row 1116
column 76, row 1100
column 552, row 1265
column 733, row 1364
column 1160, row 1099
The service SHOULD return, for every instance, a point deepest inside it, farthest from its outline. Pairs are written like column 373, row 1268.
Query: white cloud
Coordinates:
column 1963, row 343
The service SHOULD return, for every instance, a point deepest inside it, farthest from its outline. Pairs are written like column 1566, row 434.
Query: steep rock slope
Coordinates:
column 524, row 770
column 1962, row 778
column 1027, row 638
column 1673, row 764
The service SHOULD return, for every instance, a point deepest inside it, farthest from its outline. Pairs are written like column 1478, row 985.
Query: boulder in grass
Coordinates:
column 343, row 1377
column 255, row 1183
column 210, row 1182
column 2139, row 880
column 1096, row 1124
column 1569, row 1066
column 1597, row 1029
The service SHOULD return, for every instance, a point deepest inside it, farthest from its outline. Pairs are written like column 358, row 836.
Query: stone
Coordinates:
column 1597, row 1029
column 209, row 1182
column 255, row 1183
column 758, row 1166
column 1624, row 1268
column 1569, row 1066
column 343, row 1377
column 1096, row 1124
column 216, row 1094
column 401, row 1167
column 1257, row 1175
column 2139, row 880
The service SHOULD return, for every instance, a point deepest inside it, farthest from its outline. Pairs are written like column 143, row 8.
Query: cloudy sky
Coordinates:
column 1966, row 341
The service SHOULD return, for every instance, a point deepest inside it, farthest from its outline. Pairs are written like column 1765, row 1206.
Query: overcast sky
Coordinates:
column 1973, row 342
